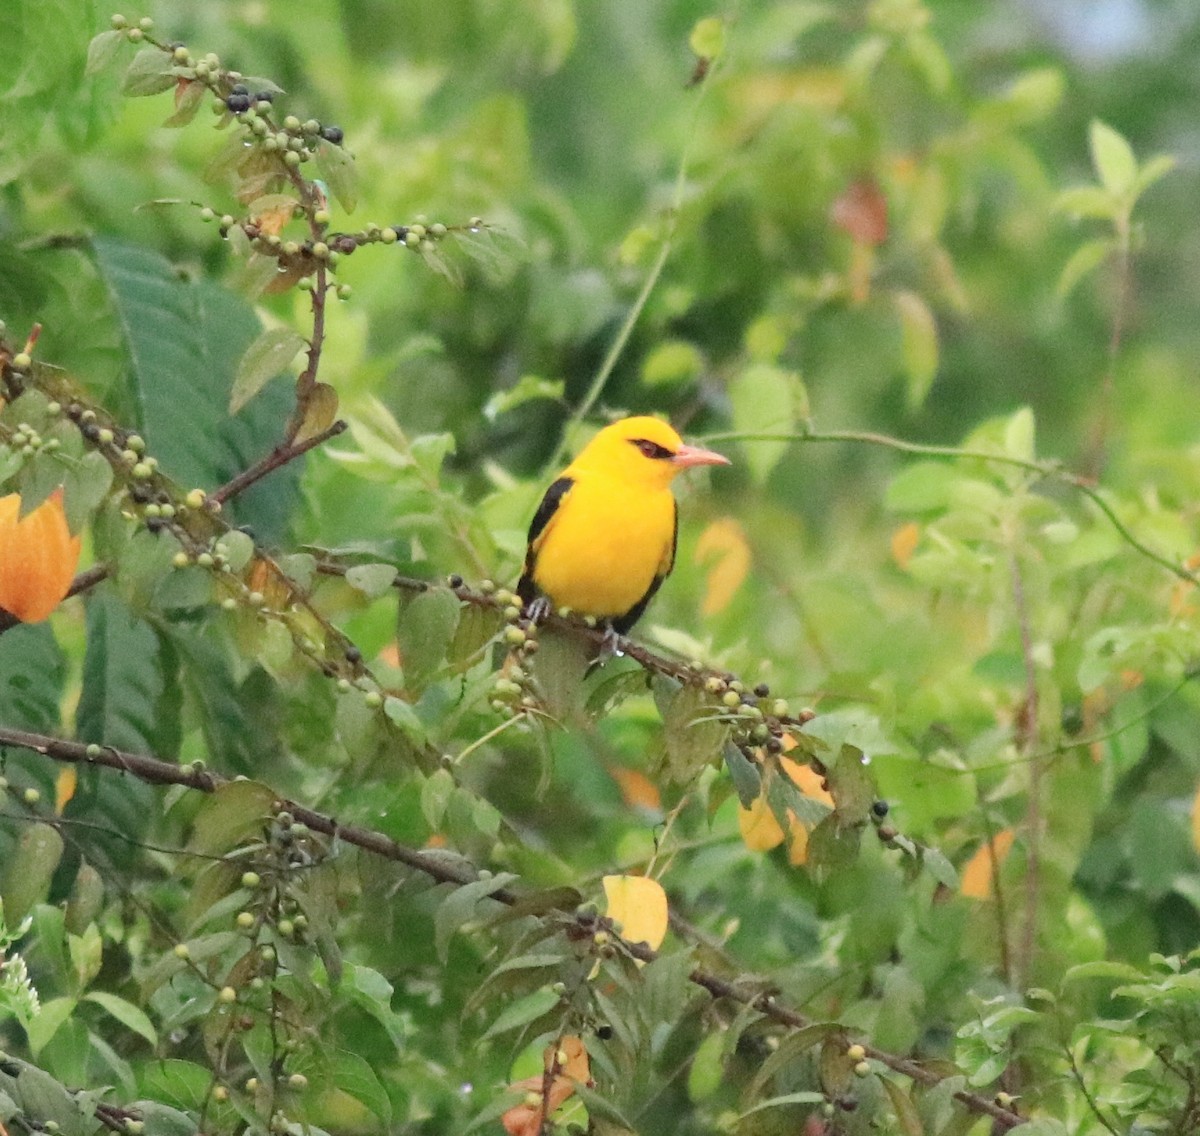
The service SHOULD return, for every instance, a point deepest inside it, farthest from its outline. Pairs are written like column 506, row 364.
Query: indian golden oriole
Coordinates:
column 603, row 539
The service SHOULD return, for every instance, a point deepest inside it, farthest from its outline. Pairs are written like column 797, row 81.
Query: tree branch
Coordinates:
column 285, row 452
column 456, row 870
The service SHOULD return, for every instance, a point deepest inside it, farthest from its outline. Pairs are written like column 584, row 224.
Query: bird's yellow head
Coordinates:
column 643, row 450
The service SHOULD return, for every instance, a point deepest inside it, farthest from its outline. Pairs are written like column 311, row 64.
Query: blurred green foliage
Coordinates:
column 966, row 227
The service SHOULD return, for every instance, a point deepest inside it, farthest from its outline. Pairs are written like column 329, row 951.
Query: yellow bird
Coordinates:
column 603, row 538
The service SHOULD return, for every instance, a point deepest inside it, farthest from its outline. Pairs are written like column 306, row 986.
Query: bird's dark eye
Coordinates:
column 652, row 449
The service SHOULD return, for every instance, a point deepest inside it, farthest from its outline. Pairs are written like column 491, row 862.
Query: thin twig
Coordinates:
column 1051, row 469
column 280, row 456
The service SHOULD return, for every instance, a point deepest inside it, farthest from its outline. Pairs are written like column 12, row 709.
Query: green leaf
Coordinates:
column 337, row 168
column 1103, row 968
column 744, row 774
column 353, row 1075
column 792, row 1046
column 32, row 676
column 424, row 634
column 708, row 1067
column 523, row 1011
column 163, row 1120
column 1112, row 158
column 229, row 816
column 129, row 697
column 373, row 580
column 103, row 50
column 919, row 345
column 675, row 361
column 902, row 1105
column 934, row 861
column 1154, row 170
column 47, row 1021
column 184, row 340
column 460, row 906
column 694, row 737
column 528, row 388
column 806, row 1097
column 129, row 1015
column 1089, row 201
column 267, row 357
column 28, row 871
column 1084, row 260
column 766, row 399
column 150, row 72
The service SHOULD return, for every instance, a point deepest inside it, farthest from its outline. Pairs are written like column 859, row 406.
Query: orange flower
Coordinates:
column 569, row 1064
column 38, row 557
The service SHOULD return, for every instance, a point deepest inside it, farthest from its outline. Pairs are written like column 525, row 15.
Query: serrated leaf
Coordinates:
column 522, row 1012
column 185, row 340
column 1084, row 260
column 129, row 698
column 268, row 356
column 230, row 815
column 32, row 677
column 103, row 50
column 1112, row 158
column 150, row 72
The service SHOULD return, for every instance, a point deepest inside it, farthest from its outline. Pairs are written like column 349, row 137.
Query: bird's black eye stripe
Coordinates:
column 652, row 449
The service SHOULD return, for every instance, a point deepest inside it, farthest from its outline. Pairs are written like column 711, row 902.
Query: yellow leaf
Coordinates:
column 904, row 543
column 760, row 830
column 64, row 788
column 1196, row 821
column 725, row 542
column 639, row 904
column 982, row 868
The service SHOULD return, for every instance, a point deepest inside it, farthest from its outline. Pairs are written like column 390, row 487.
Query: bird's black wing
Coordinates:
column 622, row 623
column 551, row 500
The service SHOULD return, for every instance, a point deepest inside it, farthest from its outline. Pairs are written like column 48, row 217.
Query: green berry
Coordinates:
column 181, row 951
column 321, row 217
column 32, row 796
column 298, row 1081
column 118, row 21
column 373, row 699
column 105, row 436
column 388, row 236
column 730, row 698
column 779, row 708
column 145, row 23
column 181, row 560
column 21, row 361
column 291, row 159
column 245, row 920
column 251, row 879
column 136, row 35
column 227, row 994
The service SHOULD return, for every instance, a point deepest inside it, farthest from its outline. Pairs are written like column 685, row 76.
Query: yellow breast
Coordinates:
column 605, row 545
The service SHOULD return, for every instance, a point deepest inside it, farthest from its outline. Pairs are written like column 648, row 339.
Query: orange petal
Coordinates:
column 38, row 557
column 807, row 780
column 637, row 789
column 724, row 542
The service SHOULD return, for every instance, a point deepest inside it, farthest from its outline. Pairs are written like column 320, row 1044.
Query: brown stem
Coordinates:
column 457, row 870
column 1028, row 736
column 285, row 452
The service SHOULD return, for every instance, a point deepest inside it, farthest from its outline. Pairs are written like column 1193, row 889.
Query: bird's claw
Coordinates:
column 610, row 645
column 538, row 609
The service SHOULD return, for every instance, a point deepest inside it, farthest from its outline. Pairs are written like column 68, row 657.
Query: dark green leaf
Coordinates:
column 32, row 674
column 744, row 774
column 185, row 340
column 425, row 630
column 27, row 874
column 523, row 1011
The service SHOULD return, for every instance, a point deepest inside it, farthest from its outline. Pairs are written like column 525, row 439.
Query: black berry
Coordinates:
column 332, row 134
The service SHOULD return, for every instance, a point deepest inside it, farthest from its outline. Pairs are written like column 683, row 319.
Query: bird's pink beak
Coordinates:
column 688, row 456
